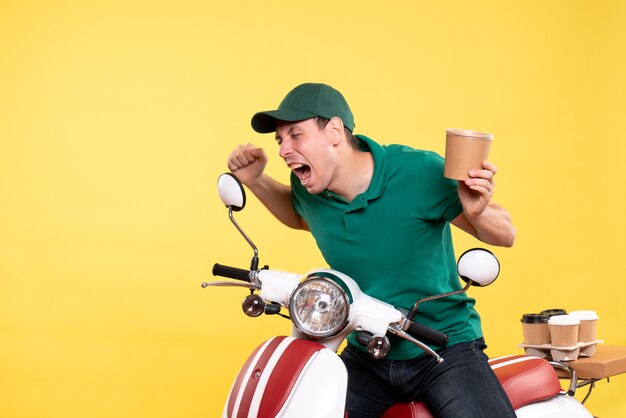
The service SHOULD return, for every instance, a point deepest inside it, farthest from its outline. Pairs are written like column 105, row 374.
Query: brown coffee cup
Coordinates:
column 588, row 325
column 465, row 151
column 587, row 331
column 535, row 329
column 563, row 330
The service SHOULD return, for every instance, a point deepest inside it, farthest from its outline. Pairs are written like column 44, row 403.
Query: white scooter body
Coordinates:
column 295, row 377
column 562, row 406
column 291, row 378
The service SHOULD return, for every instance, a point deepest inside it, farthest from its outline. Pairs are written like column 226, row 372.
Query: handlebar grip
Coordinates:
column 231, row 272
column 427, row 335
column 364, row 337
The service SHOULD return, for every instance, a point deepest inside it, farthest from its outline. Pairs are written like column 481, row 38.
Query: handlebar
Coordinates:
column 231, row 272
column 427, row 335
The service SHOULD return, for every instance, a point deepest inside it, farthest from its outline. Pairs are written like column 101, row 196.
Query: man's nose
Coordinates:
column 285, row 149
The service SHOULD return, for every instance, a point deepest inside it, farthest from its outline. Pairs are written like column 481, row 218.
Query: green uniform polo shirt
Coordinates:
column 394, row 239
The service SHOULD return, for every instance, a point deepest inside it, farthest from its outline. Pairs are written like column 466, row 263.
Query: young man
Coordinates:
column 381, row 214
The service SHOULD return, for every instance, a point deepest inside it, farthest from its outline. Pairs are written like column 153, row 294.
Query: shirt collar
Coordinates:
column 379, row 177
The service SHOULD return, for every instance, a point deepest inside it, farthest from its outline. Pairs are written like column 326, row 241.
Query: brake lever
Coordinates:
column 397, row 330
column 231, row 284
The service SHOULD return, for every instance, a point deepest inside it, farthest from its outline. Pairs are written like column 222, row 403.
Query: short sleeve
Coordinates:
column 440, row 194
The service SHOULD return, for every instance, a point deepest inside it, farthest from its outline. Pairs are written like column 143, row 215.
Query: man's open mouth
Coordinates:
column 303, row 172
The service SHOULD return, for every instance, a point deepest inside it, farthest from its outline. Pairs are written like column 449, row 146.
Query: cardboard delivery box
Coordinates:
column 607, row 361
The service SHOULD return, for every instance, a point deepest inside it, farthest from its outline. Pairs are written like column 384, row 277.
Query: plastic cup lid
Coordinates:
column 552, row 312
column 563, row 320
column 585, row 315
column 534, row 319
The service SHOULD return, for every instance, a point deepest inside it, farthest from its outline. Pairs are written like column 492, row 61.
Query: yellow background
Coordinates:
column 116, row 118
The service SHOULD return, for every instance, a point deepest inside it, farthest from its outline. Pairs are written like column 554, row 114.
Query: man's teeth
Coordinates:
column 297, row 166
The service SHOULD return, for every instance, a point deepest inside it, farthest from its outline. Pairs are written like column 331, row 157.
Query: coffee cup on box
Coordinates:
column 564, row 330
column 465, row 150
column 535, row 329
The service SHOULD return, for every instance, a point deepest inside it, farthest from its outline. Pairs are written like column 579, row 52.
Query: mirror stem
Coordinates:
column 413, row 310
column 254, row 265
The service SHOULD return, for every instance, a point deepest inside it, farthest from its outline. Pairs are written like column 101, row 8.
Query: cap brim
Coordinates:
column 265, row 122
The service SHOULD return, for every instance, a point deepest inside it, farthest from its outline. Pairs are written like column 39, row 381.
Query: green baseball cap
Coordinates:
column 306, row 101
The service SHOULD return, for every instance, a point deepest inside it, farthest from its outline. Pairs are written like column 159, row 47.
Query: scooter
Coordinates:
column 302, row 376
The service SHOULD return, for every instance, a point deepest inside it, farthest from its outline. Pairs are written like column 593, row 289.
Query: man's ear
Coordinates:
column 335, row 129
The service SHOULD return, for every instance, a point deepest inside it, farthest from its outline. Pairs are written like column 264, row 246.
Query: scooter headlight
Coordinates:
column 319, row 307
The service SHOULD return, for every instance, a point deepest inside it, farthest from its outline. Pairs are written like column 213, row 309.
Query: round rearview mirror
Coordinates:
column 478, row 266
column 231, row 191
